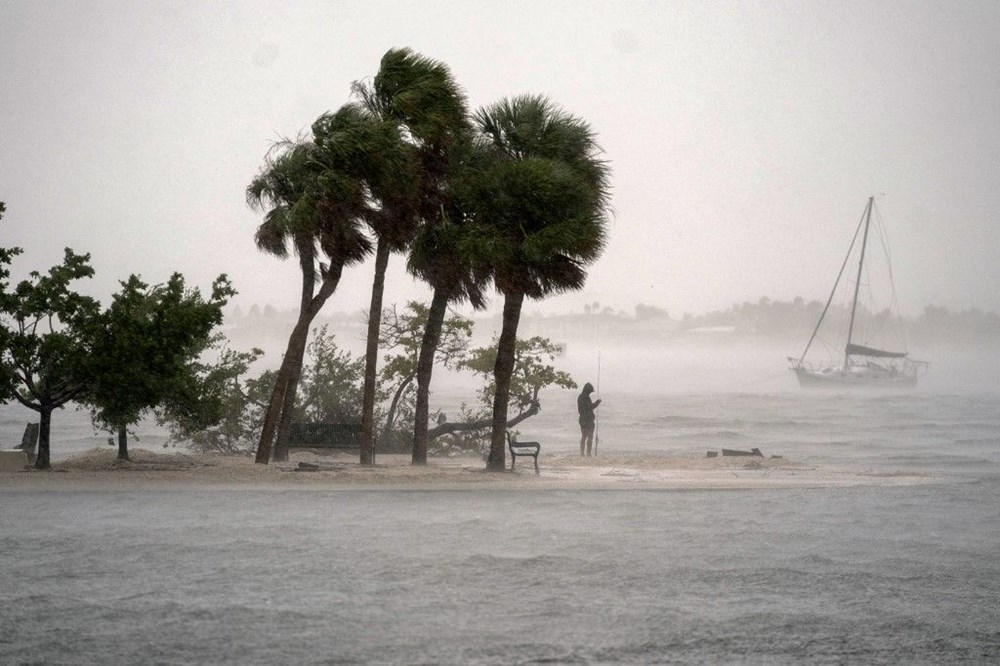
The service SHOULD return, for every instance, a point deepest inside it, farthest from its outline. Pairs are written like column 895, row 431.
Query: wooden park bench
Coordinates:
column 325, row 436
column 522, row 449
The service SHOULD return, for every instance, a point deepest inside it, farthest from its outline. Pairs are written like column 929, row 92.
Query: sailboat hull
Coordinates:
column 855, row 377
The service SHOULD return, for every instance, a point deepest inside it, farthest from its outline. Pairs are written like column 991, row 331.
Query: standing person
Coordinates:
column 588, row 420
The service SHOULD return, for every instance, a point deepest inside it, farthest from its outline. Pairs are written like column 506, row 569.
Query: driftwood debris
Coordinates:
column 737, row 452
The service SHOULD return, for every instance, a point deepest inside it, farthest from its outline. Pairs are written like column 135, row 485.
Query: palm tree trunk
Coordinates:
column 425, row 366
column 44, row 428
column 296, row 349
column 288, row 408
column 371, row 355
column 122, row 443
column 307, row 263
column 502, row 371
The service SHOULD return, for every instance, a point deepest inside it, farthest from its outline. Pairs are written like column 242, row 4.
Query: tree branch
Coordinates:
column 33, row 406
column 450, row 428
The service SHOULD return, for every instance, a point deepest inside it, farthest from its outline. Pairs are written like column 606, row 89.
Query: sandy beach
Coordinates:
column 99, row 468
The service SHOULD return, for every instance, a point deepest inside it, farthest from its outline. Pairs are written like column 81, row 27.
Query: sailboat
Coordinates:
column 863, row 364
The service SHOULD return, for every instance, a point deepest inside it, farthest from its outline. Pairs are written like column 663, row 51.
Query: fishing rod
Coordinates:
column 597, row 419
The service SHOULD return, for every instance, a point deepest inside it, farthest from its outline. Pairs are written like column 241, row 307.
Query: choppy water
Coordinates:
column 902, row 574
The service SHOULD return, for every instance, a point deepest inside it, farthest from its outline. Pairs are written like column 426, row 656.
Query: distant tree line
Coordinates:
column 790, row 319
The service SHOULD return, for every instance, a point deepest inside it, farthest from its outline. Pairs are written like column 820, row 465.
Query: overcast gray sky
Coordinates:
column 745, row 138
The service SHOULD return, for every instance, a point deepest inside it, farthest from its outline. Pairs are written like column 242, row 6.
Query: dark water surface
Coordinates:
column 859, row 575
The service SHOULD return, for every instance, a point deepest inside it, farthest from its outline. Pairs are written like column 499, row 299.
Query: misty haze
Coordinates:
column 568, row 332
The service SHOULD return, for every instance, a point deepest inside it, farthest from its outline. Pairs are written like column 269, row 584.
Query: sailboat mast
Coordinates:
column 857, row 283
column 836, row 283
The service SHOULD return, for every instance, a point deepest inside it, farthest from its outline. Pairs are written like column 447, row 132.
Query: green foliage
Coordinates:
column 540, row 206
column 313, row 193
column 331, row 383
column 227, row 412
column 145, row 348
column 43, row 325
column 533, row 371
column 43, row 339
column 231, row 406
column 225, row 415
column 277, row 188
column 403, row 333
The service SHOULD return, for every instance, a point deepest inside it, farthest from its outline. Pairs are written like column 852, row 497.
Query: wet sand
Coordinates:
column 99, row 468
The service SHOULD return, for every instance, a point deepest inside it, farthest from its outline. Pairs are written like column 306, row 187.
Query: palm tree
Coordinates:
column 318, row 197
column 276, row 190
column 439, row 256
column 540, row 212
column 420, row 95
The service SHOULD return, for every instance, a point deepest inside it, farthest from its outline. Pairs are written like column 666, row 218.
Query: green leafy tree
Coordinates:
column 225, row 410
column 43, row 342
column 540, row 213
column 143, row 351
column 331, row 381
column 533, row 371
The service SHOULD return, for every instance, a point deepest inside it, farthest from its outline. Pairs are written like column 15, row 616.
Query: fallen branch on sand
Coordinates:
column 451, row 428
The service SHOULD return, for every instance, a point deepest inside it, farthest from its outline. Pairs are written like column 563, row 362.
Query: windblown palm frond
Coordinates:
column 276, row 190
column 418, row 92
column 541, row 207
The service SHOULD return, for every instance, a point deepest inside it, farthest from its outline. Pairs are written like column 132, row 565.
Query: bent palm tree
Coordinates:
column 279, row 186
column 540, row 211
column 420, row 95
column 324, row 204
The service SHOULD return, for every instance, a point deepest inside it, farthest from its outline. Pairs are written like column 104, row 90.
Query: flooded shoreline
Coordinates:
column 99, row 468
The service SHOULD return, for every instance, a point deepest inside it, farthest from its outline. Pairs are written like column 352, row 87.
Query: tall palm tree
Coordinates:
column 540, row 212
column 421, row 97
column 439, row 255
column 418, row 97
column 318, row 198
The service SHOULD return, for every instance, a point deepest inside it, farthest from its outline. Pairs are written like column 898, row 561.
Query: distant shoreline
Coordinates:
column 98, row 469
